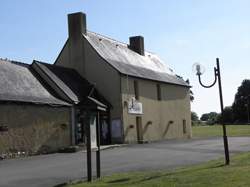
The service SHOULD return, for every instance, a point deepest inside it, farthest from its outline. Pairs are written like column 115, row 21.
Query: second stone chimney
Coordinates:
column 136, row 43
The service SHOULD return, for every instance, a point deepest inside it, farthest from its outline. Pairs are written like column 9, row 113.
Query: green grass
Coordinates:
column 212, row 173
column 216, row 130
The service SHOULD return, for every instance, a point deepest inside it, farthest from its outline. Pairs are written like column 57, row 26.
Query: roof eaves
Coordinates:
column 171, row 83
column 36, row 102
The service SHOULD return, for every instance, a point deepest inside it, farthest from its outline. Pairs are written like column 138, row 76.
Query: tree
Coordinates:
column 204, row 117
column 194, row 116
column 228, row 115
column 211, row 118
column 241, row 101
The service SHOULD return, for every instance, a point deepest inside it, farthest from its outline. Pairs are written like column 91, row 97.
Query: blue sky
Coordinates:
column 181, row 32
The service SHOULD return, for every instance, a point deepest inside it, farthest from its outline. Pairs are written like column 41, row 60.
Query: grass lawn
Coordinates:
column 212, row 173
column 216, row 130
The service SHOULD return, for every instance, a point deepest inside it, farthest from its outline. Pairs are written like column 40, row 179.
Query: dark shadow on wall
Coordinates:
column 130, row 127
column 148, row 124
column 167, row 128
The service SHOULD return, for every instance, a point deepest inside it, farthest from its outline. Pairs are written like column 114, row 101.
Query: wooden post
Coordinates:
column 98, row 157
column 88, row 143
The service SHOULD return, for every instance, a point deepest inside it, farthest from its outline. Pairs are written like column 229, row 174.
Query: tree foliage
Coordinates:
column 194, row 116
column 211, row 118
column 241, row 102
column 238, row 112
column 228, row 115
column 204, row 117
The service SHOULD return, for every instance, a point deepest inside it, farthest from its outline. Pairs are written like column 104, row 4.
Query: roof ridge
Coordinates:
column 57, row 66
column 108, row 37
column 120, row 42
column 14, row 62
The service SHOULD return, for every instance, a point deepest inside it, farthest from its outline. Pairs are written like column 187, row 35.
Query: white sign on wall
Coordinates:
column 134, row 106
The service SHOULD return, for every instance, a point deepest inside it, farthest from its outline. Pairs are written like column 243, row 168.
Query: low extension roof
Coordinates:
column 128, row 62
column 18, row 83
column 68, row 84
column 67, row 80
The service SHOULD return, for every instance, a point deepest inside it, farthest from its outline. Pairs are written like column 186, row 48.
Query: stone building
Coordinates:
column 44, row 107
column 149, row 102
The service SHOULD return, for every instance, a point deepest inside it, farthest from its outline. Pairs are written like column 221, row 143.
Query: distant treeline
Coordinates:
column 238, row 113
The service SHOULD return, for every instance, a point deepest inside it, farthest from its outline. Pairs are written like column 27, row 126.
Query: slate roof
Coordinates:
column 76, row 88
column 18, row 83
column 128, row 62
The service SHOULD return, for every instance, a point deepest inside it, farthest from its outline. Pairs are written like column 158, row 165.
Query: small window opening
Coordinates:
column 184, row 126
column 136, row 88
column 158, row 92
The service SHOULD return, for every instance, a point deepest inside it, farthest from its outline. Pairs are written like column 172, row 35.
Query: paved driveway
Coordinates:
column 49, row 170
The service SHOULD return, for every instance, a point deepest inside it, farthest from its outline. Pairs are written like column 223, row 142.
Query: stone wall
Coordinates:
column 34, row 129
column 167, row 118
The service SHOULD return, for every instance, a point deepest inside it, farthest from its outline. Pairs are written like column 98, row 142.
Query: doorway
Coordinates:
column 139, row 129
column 105, row 128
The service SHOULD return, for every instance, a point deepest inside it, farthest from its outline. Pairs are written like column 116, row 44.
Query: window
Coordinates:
column 158, row 87
column 136, row 88
column 139, row 129
column 184, row 126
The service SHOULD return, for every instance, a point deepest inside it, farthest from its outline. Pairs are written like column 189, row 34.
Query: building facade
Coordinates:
column 124, row 74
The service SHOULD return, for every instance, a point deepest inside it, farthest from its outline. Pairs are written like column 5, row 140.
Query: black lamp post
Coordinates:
column 217, row 77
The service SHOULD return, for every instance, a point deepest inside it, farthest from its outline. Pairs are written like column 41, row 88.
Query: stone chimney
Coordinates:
column 77, row 24
column 136, row 43
column 77, row 28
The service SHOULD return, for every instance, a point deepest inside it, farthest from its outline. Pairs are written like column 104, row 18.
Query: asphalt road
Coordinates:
column 49, row 170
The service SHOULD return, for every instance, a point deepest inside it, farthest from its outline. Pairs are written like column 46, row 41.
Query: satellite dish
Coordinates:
column 198, row 69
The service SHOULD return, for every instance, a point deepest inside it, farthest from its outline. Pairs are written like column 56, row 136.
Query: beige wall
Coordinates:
column 72, row 56
column 105, row 78
column 96, row 71
column 174, row 106
column 34, row 128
